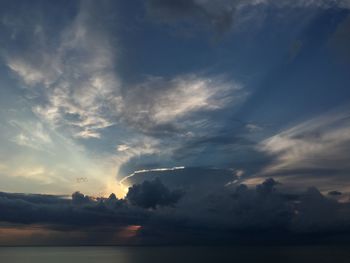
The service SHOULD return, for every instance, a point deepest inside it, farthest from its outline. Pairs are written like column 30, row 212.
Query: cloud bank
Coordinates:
column 263, row 213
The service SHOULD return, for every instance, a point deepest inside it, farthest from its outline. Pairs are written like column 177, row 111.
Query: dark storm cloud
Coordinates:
column 267, row 187
column 80, row 211
column 318, row 213
column 334, row 193
column 79, row 198
column 34, row 198
column 193, row 179
column 238, row 208
column 233, row 212
column 151, row 194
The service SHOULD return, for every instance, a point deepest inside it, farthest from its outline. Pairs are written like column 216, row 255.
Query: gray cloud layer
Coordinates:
column 237, row 211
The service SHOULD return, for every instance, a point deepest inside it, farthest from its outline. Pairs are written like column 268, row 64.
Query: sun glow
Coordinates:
column 124, row 186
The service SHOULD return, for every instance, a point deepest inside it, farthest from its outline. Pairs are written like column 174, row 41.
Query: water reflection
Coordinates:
column 245, row 254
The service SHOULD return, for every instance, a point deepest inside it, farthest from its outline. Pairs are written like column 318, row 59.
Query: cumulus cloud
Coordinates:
column 79, row 211
column 79, row 198
column 151, row 194
column 267, row 187
column 264, row 212
column 315, row 213
column 269, row 206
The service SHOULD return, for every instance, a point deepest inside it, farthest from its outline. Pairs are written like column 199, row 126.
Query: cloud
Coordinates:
column 79, row 198
column 199, row 179
column 314, row 148
column 68, row 75
column 33, row 135
column 222, row 15
column 73, row 79
column 315, row 212
column 73, row 84
column 79, row 211
column 267, row 187
column 265, row 212
column 150, row 171
column 334, row 193
column 38, row 158
column 30, row 75
column 122, row 147
column 326, row 135
column 236, row 213
column 158, row 104
column 151, row 194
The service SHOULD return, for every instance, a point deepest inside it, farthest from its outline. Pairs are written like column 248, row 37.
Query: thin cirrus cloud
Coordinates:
column 78, row 86
column 160, row 102
column 314, row 149
column 33, row 135
column 75, row 76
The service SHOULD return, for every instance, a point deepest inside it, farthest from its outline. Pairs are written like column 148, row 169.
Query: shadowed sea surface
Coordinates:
column 175, row 254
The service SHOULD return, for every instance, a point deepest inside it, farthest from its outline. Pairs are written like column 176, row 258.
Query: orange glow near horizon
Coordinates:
column 18, row 235
column 128, row 231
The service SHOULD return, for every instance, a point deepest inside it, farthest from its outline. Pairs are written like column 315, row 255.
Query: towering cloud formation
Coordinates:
column 151, row 194
column 263, row 213
column 99, row 90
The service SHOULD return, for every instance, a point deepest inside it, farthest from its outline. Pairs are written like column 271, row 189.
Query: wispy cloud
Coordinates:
column 33, row 135
column 75, row 78
column 160, row 102
column 316, row 147
column 77, row 87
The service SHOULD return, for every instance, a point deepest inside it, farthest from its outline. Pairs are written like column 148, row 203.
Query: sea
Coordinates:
column 164, row 254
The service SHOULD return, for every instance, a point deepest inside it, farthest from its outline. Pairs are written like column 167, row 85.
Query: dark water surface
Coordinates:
column 237, row 254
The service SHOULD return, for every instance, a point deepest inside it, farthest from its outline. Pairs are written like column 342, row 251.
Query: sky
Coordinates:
column 202, row 117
